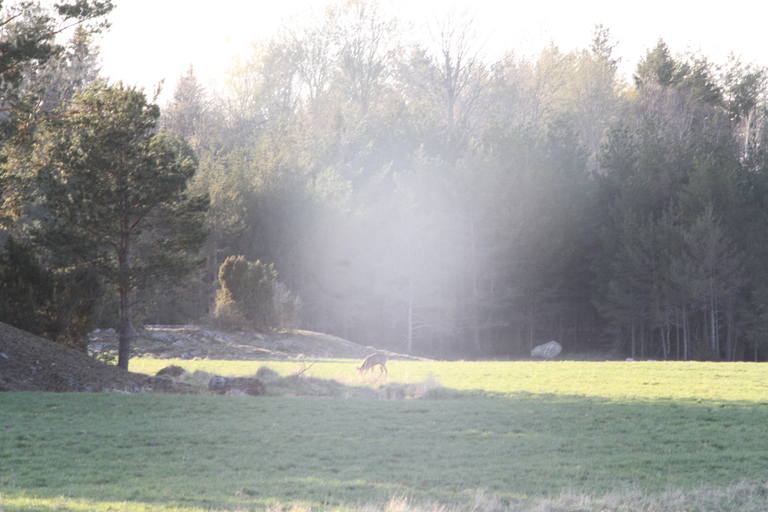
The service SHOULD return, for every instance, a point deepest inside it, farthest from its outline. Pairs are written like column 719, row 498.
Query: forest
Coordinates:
column 405, row 193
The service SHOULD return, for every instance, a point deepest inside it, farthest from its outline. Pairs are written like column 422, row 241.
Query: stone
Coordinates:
column 172, row 371
column 547, row 350
column 219, row 384
column 237, row 386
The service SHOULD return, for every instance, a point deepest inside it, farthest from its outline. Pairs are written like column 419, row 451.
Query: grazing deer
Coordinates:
column 373, row 360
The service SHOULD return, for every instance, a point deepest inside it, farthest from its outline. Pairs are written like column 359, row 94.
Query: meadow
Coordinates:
column 484, row 436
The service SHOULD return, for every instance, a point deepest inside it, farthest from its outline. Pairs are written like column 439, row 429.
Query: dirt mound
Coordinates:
column 31, row 363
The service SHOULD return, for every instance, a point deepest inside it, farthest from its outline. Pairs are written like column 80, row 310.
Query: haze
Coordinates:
column 154, row 40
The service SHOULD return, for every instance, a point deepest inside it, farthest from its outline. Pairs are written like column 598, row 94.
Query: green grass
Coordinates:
column 562, row 436
column 678, row 381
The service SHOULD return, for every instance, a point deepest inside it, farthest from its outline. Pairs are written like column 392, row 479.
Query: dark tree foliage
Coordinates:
column 684, row 223
column 26, row 288
column 476, row 208
column 419, row 198
column 57, row 304
column 32, row 56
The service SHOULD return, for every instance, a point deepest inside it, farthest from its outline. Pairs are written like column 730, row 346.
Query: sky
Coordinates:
column 154, row 40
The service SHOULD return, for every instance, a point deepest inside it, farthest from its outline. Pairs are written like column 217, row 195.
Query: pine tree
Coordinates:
column 114, row 194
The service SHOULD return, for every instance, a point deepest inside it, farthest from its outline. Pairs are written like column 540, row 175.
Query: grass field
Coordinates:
column 543, row 436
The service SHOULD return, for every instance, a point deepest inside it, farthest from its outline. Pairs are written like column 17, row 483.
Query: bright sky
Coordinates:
column 151, row 40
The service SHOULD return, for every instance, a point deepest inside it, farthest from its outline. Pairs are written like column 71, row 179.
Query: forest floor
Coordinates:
column 31, row 363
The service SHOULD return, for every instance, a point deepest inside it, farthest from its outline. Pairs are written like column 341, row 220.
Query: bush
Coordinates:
column 250, row 296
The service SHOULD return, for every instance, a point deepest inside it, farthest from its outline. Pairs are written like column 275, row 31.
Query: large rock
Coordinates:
column 547, row 350
column 171, row 371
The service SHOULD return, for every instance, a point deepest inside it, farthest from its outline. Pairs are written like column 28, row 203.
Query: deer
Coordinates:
column 373, row 360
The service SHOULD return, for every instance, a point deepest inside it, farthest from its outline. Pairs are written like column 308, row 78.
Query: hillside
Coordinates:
column 32, row 363
column 191, row 341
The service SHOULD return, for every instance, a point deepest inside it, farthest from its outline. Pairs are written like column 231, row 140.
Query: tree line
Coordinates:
column 408, row 193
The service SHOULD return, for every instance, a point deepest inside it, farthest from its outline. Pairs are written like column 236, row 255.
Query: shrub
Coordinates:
column 251, row 296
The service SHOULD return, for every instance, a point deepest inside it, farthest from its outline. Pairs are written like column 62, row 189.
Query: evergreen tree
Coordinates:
column 114, row 194
column 34, row 62
column 28, row 39
column 193, row 114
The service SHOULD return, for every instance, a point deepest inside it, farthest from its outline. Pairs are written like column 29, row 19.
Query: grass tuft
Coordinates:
column 429, row 388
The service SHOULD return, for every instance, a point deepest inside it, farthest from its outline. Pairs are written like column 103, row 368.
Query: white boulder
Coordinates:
column 547, row 350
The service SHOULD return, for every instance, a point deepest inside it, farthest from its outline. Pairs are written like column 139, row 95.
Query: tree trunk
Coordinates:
column 714, row 330
column 409, row 336
column 475, row 291
column 730, row 349
column 124, row 326
column 530, row 328
column 686, row 334
column 124, row 331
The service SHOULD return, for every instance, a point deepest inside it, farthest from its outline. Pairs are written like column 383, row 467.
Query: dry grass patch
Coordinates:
column 299, row 383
